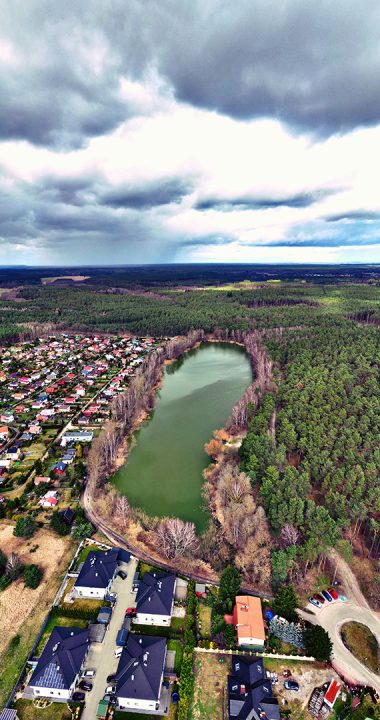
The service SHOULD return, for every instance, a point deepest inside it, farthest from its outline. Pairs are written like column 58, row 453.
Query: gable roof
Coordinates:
column 140, row 668
column 98, row 569
column 250, row 694
column 248, row 617
column 61, row 658
column 155, row 593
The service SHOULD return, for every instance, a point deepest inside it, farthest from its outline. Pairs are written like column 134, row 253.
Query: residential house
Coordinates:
column 67, row 516
column 77, row 436
column 4, row 432
column 39, row 479
column 13, row 453
column 140, row 673
column 250, row 694
column 97, row 574
column 60, row 664
column 59, row 468
column 248, row 620
column 155, row 599
column 49, row 499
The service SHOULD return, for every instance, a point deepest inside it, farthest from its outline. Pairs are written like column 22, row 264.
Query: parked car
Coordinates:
column 327, row 595
column 89, row 673
column 85, row 685
column 118, row 651
column 78, row 696
column 333, row 593
column 319, row 597
column 291, row 685
column 130, row 612
column 111, row 677
column 111, row 688
column 110, row 699
column 315, row 602
column 121, row 574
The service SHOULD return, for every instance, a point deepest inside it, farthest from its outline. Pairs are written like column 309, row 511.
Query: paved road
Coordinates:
column 332, row 616
column 102, row 655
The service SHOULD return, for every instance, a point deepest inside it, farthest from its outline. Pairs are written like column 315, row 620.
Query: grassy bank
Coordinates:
column 363, row 645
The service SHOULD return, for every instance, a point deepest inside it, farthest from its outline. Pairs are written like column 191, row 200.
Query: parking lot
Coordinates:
column 101, row 656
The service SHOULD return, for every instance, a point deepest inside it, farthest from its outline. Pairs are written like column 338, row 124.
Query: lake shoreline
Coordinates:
column 128, row 442
column 238, row 377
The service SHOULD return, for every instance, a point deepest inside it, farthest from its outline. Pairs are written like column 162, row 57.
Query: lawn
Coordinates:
column 204, row 620
column 363, row 645
column 56, row 711
column 24, row 610
column 83, row 554
column 210, row 696
column 60, row 620
column 144, row 567
column 177, row 646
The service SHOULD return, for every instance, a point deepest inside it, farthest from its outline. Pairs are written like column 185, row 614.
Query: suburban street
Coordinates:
column 331, row 617
column 102, row 655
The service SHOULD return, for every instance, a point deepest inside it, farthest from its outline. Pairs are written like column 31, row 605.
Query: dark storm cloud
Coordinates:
column 206, row 240
column 315, row 66
column 353, row 216
column 77, row 191
column 150, row 195
column 300, row 200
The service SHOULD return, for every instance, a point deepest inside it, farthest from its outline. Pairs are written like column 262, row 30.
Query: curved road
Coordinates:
column 332, row 616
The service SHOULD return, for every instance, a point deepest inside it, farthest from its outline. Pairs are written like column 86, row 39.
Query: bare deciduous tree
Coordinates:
column 177, row 537
column 13, row 566
column 290, row 535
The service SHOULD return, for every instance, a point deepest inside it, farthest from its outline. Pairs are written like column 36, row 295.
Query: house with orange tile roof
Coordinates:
column 248, row 621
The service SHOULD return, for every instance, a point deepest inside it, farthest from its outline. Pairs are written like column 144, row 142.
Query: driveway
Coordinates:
column 101, row 655
column 332, row 616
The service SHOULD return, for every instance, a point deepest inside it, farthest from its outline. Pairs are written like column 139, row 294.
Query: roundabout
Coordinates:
column 332, row 616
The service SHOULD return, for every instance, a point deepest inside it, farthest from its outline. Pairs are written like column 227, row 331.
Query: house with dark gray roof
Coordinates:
column 97, row 574
column 155, row 599
column 250, row 694
column 60, row 664
column 140, row 673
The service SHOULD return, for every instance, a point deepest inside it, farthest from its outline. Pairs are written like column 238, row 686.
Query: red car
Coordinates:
column 319, row 597
column 333, row 593
column 130, row 612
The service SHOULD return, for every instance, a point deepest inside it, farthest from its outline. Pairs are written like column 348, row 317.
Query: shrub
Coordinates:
column 32, row 576
column 4, row 582
column 25, row 527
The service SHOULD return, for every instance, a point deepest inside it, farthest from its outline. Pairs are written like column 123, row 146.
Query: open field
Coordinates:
column 75, row 278
column 22, row 609
column 210, row 692
column 363, row 644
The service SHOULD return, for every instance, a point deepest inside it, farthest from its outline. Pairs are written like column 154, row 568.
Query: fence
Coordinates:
column 252, row 653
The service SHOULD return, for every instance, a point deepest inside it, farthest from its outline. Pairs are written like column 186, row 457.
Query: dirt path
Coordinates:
column 347, row 578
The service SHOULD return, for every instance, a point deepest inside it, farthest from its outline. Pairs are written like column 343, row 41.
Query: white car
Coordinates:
column 89, row 673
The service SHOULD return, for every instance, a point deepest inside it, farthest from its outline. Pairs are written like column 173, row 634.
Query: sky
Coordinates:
column 162, row 131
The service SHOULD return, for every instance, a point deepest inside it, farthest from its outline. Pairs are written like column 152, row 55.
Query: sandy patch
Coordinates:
column 17, row 602
column 75, row 278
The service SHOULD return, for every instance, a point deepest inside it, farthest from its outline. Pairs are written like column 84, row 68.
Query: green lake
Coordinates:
column 163, row 472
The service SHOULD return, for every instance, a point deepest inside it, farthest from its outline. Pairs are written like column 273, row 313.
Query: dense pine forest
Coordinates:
column 312, row 447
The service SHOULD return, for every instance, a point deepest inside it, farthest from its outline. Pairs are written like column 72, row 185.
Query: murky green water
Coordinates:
column 163, row 472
